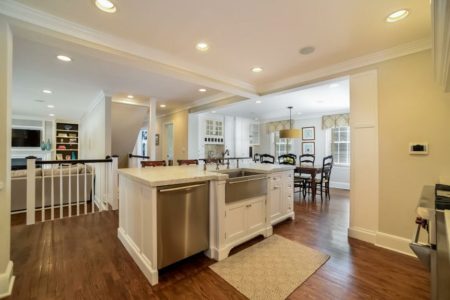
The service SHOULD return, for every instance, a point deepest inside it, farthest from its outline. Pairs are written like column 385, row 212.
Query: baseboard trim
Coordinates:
column 381, row 239
column 340, row 185
column 394, row 243
column 7, row 281
column 362, row 234
column 144, row 264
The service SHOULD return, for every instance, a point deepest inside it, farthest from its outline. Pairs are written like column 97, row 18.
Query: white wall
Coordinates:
column 6, row 278
column 95, row 131
column 95, row 141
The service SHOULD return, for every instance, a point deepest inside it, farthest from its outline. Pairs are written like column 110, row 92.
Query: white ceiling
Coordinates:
column 75, row 85
column 243, row 34
column 331, row 97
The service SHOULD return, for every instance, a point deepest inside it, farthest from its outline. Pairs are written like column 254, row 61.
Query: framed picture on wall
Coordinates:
column 308, row 133
column 308, row 148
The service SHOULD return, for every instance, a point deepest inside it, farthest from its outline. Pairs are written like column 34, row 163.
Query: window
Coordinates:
column 282, row 146
column 340, row 145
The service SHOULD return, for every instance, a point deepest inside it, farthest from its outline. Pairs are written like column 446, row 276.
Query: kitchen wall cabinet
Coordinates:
column 242, row 133
column 254, row 134
column 281, row 196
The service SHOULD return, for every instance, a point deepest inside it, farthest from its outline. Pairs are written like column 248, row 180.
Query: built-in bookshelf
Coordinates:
column 67, row 140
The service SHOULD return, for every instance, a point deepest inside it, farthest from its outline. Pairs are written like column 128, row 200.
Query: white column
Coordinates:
column 6, row 265
column 364, row 192
column 151, row 148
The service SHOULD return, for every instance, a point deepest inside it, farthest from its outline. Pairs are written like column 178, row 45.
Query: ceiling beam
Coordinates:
column 26, row 18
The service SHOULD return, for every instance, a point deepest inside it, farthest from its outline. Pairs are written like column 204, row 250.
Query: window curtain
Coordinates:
column 333, row 121
column 277, row 126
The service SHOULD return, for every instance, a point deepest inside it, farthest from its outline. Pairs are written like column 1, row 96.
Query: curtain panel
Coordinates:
column 333, row 121
column 277, row 126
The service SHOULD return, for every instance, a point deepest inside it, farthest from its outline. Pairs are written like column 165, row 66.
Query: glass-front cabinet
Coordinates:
column 254, row 134
column 213, row 132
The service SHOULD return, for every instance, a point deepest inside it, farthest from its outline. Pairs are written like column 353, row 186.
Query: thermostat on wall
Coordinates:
column 418, row 148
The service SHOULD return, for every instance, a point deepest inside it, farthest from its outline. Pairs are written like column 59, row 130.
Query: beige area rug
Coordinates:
column 271, row 269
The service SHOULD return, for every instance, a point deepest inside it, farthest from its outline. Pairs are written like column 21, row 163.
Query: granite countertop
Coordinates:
column 158, row 176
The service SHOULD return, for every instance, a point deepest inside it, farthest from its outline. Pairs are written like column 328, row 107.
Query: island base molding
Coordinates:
column 290, row 215
column 7, row 281
column 141, row 260
column 224, row 252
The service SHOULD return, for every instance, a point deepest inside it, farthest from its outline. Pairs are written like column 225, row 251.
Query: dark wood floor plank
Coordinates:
column 81, row 258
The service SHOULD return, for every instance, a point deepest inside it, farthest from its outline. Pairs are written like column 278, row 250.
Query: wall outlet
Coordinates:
column 418, row 148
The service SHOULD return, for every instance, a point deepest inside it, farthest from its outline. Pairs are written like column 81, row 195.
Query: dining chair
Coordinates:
column 153, row 163
column 256, row 157
column 187, row 162
column 287, row 159
column 323, row 182
column 267, row 159
column 307, row 159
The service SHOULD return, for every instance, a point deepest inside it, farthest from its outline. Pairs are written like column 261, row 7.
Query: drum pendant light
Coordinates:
column 290, row 133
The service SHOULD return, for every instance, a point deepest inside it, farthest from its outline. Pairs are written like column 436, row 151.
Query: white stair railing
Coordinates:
column 70, row 187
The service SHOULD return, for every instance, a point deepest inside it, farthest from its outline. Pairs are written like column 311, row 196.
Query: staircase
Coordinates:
column 126, row 122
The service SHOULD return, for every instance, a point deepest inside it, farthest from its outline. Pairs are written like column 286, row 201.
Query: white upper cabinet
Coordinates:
column 242, row 134
column 254, row 134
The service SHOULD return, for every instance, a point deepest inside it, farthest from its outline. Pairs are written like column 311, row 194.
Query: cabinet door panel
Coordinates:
column 256, row 214
column 276, row 207
column 235, row 224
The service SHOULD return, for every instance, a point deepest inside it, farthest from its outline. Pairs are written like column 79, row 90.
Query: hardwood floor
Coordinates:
column 82, row 258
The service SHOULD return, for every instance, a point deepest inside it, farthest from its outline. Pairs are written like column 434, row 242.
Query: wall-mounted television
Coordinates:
column 30, row 138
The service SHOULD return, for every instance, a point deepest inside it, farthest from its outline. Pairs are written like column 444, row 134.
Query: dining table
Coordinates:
column 309, row 170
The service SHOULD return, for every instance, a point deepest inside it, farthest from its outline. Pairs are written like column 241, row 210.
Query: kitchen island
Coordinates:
column 168, row 213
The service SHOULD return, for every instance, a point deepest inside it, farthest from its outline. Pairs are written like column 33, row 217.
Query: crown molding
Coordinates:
column 157, row 61
column 440, row 19
column 216, row 98
column 345, row 66
column 99, row 98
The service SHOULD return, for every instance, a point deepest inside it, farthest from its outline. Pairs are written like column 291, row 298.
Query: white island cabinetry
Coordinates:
column 281, row 195
column 230, row 224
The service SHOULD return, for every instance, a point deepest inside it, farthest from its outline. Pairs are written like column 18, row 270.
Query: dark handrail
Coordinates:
column 138, row 156
column 78, row 161
column 224, row 158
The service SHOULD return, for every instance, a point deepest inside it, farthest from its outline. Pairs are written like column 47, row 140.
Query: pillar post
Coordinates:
column 6, row 265
column 151, row 137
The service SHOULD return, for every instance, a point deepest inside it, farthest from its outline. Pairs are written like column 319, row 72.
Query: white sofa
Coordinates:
column 19, row 186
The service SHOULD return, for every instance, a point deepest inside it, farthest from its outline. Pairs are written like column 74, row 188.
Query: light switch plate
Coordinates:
column 418, row 148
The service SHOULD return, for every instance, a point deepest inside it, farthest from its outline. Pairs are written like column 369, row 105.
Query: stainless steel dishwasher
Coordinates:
column 183, row 221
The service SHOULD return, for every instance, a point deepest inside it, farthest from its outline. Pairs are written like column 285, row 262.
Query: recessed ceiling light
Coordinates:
column 202, row 90
column 162, row 105
column 130, row 96
column 257, row 69
column 50, row 106
column 106, row 6
column 47, row 91
column 64, row 58
column 51, row 115
column 258, row 101
column 334, row 85
column 397, row 15
column 307, row 50
column 202, row 46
